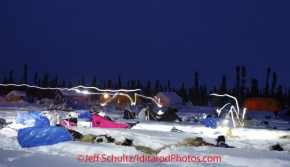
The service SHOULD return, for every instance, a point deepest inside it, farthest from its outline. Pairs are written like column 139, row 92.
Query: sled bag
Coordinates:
column 34, row 136
column 101, row 122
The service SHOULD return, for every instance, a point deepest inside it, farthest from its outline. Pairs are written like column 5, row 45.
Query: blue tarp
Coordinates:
column 214, row 122
column 85, row 115
column 33, row 119
column 39, row 136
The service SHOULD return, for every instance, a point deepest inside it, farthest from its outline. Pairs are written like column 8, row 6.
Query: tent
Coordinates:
column 189, row 105
column 72, row 98
column 17, row 93
column 262, row 104
column 124, row 99
column 62, row 95
column 169, row 99
column 15, row 96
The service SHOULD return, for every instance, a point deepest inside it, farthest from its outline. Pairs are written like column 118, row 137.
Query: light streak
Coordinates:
column 133, row 102
column 34, row 87
column 103, row 91
column 159, row 105
column 219, row 110
column 75, row 88
column 107, row 90
column 232, row 109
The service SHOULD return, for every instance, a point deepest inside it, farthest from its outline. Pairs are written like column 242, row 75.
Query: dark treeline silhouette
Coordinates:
column 196, row 93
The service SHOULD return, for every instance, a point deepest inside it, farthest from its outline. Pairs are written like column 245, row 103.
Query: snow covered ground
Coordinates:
column 252, row 143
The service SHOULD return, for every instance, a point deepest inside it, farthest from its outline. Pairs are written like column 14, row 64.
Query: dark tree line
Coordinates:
column 197, row 93
column 241, row 92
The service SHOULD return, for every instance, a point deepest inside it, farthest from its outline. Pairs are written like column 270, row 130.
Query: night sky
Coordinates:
column 146, row 40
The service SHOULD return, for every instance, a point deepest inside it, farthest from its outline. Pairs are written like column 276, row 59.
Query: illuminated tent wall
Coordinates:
column 262, row 104
column 169, row 99
column 121, row 99
column 15, row 96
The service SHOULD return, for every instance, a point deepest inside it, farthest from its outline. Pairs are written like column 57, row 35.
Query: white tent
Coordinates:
column 169, row 99
column 189, row 105
column 17, row 93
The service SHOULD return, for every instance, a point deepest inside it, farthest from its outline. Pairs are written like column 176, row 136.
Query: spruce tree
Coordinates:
column 70, row 85
column 25, row 74
column 168, row 86
column 196, row 89
column 56, row 81
column 5, row 80
column 161, row 88
column 45, row 80
column 35, row 79
column 201, row 99
column 279, row 95
column 243, row 85
column 109, row 84
column 94, row 81
column 83, row 83
column 148, row 89
column 128, row 84
column 157, row 86
column 63, row 83
column 206, row 95
column 254, row 88
column 119, row 83
column 105, row 86
column 183, row 93
column 223, row 87
column 274, row 82
column 11, row 77
column 139, row 85
column 52, row 83
column 288, row 97
column 237, row 87
column 267, row 82
column 133, row 84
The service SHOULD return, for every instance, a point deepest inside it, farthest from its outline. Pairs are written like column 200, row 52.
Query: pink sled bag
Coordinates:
column 101, row 122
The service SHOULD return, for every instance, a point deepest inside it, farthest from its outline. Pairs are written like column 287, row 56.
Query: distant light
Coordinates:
column 85, row 92
column 106, row 95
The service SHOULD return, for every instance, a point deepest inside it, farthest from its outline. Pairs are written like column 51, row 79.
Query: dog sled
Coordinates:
column 61, row 106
